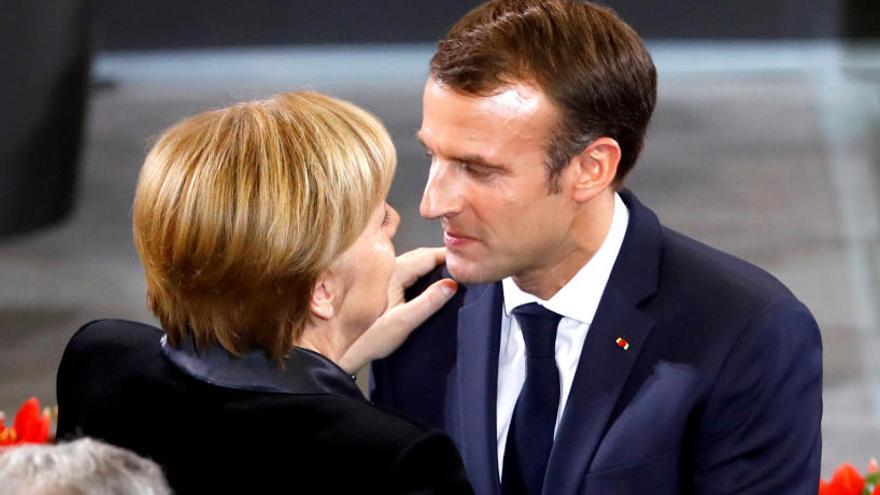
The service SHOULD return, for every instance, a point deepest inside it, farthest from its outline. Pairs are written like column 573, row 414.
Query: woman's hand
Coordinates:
column 392, row 328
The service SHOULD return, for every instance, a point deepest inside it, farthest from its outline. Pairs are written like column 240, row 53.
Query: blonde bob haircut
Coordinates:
column 239, row 210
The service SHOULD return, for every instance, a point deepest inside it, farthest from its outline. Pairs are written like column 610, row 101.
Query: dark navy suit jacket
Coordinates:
column 719, row 391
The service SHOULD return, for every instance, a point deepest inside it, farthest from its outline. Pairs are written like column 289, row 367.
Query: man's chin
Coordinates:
column 469, row 272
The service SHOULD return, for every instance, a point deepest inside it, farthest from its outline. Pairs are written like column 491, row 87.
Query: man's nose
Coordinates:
column 441, row 196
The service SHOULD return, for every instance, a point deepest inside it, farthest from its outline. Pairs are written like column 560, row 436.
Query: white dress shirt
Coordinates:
column 577, row 302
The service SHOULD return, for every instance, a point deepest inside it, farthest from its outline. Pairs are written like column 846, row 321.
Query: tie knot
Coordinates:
column 538, row 326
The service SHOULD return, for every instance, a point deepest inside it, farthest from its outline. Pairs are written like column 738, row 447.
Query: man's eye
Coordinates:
column 477, row 170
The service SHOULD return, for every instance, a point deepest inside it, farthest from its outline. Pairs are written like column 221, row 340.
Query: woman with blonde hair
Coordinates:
column 266, row 245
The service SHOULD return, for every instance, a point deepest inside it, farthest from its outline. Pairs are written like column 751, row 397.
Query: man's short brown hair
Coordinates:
column 590, row 64
column 239, row 210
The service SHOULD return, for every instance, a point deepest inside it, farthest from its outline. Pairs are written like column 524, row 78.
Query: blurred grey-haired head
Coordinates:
column 81, row 467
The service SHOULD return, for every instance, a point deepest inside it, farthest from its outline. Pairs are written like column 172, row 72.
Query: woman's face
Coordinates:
column 366, row 269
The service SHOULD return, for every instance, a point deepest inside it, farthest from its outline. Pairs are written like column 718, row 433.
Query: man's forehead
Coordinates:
column 517, row 111
column 513, row 101
column 509, row 99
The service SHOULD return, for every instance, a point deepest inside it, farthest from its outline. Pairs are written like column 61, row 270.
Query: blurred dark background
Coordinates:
column 139, row 25
column 48, row 45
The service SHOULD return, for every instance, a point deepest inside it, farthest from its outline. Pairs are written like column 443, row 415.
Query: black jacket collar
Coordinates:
column 304, row 372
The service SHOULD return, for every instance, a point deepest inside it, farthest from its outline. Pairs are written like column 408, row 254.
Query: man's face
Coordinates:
column 488, row 182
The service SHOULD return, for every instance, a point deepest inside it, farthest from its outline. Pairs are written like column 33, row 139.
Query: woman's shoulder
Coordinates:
column 120, row 334
column 108, row 342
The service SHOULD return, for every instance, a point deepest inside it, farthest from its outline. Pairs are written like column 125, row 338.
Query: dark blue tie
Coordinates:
column 531, row 429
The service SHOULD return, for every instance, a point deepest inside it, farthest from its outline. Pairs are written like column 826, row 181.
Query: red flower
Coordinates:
column 30, row 426
column 848, row 481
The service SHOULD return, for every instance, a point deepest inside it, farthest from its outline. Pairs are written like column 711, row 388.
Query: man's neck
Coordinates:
column 587, row 233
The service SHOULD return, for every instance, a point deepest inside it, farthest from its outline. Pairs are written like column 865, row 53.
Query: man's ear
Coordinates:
column 325, row 296
column 594, row 168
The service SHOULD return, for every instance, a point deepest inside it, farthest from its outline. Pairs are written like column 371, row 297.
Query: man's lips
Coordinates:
column 456, row 240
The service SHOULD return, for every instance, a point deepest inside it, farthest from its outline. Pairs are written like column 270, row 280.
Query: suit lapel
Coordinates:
column 604, row 366
column 479, row 324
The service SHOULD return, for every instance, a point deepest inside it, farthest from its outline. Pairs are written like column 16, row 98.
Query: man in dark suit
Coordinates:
column 592, row 350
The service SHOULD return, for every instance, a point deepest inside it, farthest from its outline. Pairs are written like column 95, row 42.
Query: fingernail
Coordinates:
column 449, row 288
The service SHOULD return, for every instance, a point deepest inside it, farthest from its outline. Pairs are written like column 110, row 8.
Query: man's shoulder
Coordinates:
column 716, row 302
column 683, row 264
column 702, row 272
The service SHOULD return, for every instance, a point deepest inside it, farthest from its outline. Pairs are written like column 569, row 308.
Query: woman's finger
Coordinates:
column 411, row 314
column 393, row 328
column 416, row 263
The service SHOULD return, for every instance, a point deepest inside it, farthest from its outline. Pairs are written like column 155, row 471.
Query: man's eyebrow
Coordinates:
column 470, row 159
column 478, row 160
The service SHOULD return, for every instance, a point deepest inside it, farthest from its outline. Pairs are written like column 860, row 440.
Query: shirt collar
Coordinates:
column 579, row 298
column 304, row 372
